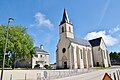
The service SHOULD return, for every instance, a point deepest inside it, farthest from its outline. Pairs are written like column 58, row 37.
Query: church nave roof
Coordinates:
column 79, row 41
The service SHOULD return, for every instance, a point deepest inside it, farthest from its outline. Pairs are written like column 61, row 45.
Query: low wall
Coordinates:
column 40, row 74
column 22, row 74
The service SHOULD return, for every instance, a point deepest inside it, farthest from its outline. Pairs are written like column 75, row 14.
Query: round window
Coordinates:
column 63, row 50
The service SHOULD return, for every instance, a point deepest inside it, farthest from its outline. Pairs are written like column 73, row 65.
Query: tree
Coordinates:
column 115, row 57
column 119, row 53
column 20, row 43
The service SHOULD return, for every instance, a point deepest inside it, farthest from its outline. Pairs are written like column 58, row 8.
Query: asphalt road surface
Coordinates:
column 95, row 75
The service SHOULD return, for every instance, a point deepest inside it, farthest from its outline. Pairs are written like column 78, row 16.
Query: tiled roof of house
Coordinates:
column 79, row 41
column 95, row 42
column 40, row 50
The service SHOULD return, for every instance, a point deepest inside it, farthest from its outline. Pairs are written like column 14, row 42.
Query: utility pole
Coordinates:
column 9, row 20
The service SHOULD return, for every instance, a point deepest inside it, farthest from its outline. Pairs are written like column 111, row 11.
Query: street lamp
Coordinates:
column 9, row 20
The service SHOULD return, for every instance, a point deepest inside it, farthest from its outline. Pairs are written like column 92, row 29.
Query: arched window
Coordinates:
column 63, row 50
column 41, row 56
column 62, row 29
column 69, row 29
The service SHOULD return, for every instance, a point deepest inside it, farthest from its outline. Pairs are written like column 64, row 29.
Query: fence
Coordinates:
column 115, row 75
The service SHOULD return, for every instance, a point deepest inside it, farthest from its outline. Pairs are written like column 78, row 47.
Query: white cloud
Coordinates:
column 116, row 29
column 109, row 40
column 41, row 20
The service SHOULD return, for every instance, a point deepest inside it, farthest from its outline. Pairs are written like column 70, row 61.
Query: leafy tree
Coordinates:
column 20, row 43
column 119, row 53
column 115, row 57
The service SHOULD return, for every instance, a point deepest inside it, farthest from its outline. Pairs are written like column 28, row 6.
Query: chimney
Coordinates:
column 41, row 46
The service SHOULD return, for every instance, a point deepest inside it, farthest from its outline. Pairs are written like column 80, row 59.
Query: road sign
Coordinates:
column 106, row 77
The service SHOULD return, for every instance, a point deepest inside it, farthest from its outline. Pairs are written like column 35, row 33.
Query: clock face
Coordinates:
column 63, row 50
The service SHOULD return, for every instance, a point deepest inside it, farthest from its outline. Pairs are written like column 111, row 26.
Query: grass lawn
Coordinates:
column 100, row 68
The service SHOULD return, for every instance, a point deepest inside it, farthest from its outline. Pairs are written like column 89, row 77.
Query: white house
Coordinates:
column 72, row 52
column 41, row 57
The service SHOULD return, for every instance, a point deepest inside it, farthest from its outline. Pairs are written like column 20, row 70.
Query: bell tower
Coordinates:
column 65, row 27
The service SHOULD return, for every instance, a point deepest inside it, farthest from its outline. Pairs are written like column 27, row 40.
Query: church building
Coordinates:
column 76, row 53
column 72, row 53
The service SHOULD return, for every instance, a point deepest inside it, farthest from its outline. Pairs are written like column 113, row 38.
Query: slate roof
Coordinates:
column 95, row 42
column 65, row 18
column 79, row 41
column 40, row 50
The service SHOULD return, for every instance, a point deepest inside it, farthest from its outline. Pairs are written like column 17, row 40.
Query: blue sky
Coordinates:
column 90, row 18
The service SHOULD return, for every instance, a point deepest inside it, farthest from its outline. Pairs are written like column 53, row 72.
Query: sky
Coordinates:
column 90, row 19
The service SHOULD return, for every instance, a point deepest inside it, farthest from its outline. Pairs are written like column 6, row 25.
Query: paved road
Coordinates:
column 95, row 75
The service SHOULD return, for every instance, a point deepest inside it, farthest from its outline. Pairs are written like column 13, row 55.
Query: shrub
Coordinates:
column 37, row 66
column 48, row 67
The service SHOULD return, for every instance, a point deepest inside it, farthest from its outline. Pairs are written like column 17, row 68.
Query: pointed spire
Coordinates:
column 65, row 18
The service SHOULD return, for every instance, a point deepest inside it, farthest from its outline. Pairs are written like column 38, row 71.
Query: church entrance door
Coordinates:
column 98, row 64
column 65, row 65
